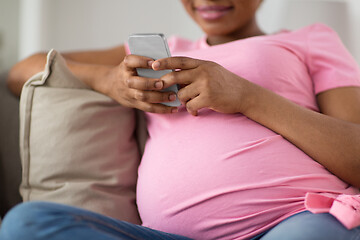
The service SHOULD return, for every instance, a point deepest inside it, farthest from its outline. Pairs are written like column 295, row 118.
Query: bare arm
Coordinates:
column 26, row 68
column 108, row 72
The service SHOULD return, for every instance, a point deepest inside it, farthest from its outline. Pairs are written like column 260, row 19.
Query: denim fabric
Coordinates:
column 51, row 221
column 309, row 226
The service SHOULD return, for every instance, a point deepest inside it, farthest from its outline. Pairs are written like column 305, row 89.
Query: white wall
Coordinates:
column 342, row 15
column 9, row 15
column 354, row 12
column 84, row 24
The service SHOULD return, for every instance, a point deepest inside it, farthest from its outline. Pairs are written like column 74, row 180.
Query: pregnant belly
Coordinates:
column 224, row 184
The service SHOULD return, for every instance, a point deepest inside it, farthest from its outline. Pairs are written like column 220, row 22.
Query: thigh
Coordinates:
column 309, row 226
column 43, row 220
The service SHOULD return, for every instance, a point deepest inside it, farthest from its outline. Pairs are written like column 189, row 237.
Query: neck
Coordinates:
column 249, row 30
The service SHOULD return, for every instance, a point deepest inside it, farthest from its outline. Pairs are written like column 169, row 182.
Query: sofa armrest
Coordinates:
column 10, row 165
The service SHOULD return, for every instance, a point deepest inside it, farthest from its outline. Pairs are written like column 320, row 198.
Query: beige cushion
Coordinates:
column 77, row 146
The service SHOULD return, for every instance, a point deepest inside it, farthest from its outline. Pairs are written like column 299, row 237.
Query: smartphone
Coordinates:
column 153, row 45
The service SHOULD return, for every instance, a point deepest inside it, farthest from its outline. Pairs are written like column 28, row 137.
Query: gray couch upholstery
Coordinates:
column 10, row 165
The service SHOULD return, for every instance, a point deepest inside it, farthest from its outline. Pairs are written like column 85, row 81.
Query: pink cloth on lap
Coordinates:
column 224, row 176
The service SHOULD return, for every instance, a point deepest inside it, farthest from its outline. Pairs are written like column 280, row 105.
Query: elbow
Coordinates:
column 23, row 70
column 356, row 182
column 351, row 157
column 13, row 82
column 353, row 177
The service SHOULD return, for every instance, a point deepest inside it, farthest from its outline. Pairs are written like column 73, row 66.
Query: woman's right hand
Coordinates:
column 124, row 85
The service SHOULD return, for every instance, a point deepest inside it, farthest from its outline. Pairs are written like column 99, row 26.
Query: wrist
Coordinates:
column 91, row 74
column 99, row 79
column 248, row 97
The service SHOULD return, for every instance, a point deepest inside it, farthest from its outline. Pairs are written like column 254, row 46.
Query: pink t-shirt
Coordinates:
column 224, row 176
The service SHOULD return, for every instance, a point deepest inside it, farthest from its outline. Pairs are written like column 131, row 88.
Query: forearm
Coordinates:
column 82, row 64
column 332, row 142
column 93, row 75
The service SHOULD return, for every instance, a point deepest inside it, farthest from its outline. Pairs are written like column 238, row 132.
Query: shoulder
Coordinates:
column 309, row 40
column 301, row 34
column 317, row 28
column 321, row 32
column 322, row 29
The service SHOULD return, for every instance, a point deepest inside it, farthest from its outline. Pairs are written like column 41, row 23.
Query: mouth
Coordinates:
column 211, row 13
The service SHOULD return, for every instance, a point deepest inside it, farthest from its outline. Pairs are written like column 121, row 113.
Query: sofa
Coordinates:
column 10, row 165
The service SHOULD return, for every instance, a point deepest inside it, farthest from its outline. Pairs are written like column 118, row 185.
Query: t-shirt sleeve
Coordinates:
column 330, row 64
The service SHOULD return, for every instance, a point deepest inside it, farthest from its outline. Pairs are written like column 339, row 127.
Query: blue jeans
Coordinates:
column 50, row 221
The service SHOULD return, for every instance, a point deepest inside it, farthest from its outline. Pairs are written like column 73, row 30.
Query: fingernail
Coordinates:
column 155, row 65
column 150, row 63
column 159, row 84
column 174, row 110
column 172, row 97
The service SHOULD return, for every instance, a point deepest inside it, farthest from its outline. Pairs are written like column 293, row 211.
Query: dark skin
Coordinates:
column 331, row 137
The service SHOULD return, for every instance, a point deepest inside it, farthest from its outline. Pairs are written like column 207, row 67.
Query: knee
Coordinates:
column 25, row 221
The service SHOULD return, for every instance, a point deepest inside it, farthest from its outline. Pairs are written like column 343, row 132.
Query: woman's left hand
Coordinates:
column 206, row 84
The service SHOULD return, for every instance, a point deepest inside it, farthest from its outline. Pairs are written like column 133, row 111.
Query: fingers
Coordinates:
column 149, row 101
column 151, row 96
column 189, row 92
column 176, row 63
column 145, row 93
column 191, row 97
column 139, row 92
column 178, row 77
column 142, row 83
column 194, row 105
column 156, row 108
column 135, row 61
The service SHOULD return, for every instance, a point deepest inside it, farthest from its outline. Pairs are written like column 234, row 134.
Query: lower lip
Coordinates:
column 211, row 15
